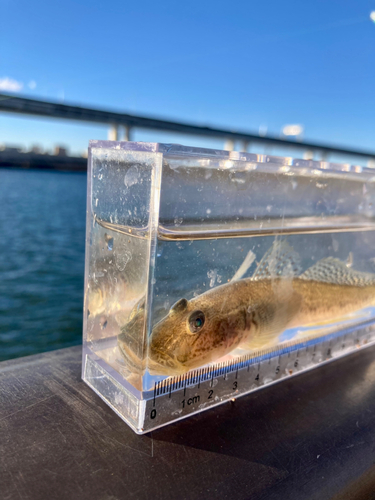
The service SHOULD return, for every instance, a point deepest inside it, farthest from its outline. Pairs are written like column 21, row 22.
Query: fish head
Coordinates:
column 193, row 334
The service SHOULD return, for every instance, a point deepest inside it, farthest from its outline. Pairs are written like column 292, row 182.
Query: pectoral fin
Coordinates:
column 271, row 320
column 245, row 266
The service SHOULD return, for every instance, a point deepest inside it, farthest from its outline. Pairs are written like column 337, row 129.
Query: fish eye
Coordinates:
column 196, row 321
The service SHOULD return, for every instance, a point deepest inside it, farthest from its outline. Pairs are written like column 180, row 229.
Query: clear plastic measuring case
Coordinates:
column 210, row 274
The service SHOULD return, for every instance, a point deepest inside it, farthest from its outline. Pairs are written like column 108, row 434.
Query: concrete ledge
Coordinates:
column 309, row 437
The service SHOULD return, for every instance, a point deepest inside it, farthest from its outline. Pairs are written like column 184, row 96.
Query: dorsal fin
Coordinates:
column 179, row 306
column 279, row 261
column 331, row 270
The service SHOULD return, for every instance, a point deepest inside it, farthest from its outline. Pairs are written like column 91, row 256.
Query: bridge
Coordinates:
column 24, row 106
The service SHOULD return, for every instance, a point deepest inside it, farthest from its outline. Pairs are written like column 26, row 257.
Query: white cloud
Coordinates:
column 292, row 129
column 32, row 84
column 10, row 85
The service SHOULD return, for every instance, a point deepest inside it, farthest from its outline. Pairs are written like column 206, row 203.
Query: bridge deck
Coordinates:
column 21, row 105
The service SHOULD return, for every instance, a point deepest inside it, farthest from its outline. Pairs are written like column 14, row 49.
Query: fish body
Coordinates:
column 328, row 301
column 231, row 314
column 251, row 313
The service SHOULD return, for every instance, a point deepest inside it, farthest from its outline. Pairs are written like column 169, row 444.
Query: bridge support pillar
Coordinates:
column 127, row 134
column 113, row 133
column 308, row 155
column 245, row 146
column 229, row 145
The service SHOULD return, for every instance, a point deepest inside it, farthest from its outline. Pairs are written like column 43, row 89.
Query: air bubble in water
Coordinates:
column 109, row 241
column 122, row 259
column 213, row 277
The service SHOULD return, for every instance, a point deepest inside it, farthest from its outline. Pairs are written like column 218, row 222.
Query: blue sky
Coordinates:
column 235, row 64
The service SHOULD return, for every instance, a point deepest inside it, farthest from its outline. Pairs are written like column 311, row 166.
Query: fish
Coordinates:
column 248, row 313
column 100, row 297
column 112, row 293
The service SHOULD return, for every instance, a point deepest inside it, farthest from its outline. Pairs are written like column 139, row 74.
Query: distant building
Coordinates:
column 60, row 151
column 14, row 156
column 37, row 150
column 11, row 148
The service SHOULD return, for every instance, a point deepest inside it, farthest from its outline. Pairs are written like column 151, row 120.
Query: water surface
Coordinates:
column 42, row 245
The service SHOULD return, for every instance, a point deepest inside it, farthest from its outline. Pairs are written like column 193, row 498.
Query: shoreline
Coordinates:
column 15, row 159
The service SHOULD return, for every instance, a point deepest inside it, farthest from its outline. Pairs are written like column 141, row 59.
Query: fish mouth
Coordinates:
column 132, row 345
column 133, row 361
column 161, row 362
column 158, row 362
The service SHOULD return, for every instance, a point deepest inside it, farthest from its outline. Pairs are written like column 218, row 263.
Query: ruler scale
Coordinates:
column 178, row 397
